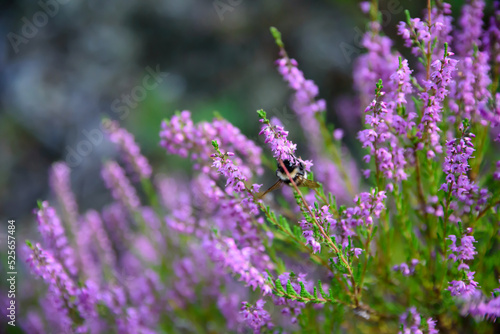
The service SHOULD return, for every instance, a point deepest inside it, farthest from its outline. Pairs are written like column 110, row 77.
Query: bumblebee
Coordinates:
column 297, row 173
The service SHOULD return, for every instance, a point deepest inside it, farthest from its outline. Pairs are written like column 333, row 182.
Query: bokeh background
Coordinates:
column 67, row 64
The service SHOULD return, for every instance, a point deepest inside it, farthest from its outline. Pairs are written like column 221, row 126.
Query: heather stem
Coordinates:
column 324, row 234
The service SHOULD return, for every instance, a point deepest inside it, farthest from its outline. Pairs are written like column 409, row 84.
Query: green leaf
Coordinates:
column 215, row 144
column 279, row 287
column 303, row 292
column 28, row 243
column 290, row 290
column 261, row 113
column 277, row 36
column 323, row 294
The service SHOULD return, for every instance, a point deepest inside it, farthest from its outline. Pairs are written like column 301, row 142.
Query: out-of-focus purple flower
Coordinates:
column 69, row 299
column 54, row 236
column 405, row 269
column 182, row 137
column 380, row 62
column 60, row 183
column 102, row 243
column 306, row 91
column 33, row 323
column 228, row 306
column 136, row 162
column 496, row 174
column 256, row 317
column 292, row 308
column 463, row 288
column 471, row 27
column 338, row 134
column 480, row 307
column 365, row 6
column 122, row 190
column 411, row 322
column 470, row 91
column 225, row 253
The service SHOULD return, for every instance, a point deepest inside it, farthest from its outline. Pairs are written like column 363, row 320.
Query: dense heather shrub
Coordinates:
column 413, row 248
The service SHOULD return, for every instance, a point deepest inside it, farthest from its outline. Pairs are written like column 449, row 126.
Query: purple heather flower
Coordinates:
column 491, row 37
column 182, row 137
column 292, row 308
column 136, row 162
column 411, row 322
column 225, row 253
column 456, row 167
column 480, row 307
column 304, row 101
column 465, row 251
column 435, row 91
column 471, row 22
column 54, row 236
column 308, row 233
column 256, row 317
column 356, row 252
column 496, row 174
column 380, row 62
column 104, row 247
column 463, row 288
column 338, row 134
column 67, row 297
column 121, row 189
column 60, row 183
column 405, row 269
column 368, row 206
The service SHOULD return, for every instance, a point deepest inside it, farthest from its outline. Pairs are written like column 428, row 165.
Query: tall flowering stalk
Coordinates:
column 131, row 152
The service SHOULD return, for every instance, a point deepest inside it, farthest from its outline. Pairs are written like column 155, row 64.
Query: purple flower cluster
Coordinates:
column 306, row 91
column 471, row 22
column 324, row 218
column 60, row 182
column 54, row 236
column 382, row 119
column 182, row 137
column 226, row 254
column 256, row 316
column 122, row 190
column 435, row 91
column 368, row 206
column 496, row 174
column 292, row 308
column 465, row 251
column 412, row 323
column 456, row 167
column 465, row 287
column 405, row 269
column 72, row 302
column 276, row 138
column 136, row 162
column 480, row 307
column 380, row 62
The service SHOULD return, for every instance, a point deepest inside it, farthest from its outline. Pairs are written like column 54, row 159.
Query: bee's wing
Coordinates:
column 310, row 184
column 275, row 186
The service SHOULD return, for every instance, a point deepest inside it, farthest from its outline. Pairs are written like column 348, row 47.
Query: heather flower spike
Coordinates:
column 412, row 247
